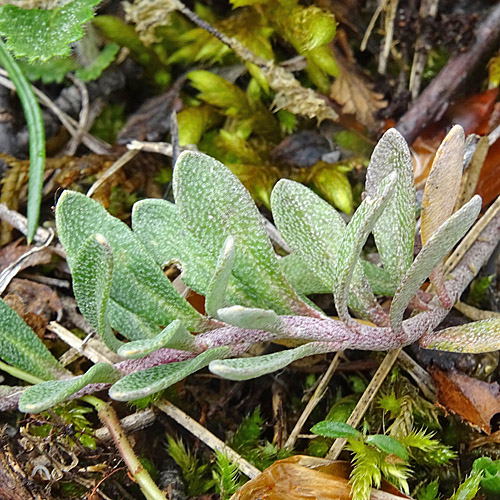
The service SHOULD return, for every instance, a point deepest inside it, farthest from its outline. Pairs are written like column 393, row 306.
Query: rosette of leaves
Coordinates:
column 214, row 232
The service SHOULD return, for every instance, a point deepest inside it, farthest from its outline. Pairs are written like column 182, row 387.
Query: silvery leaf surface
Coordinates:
column 129, row 324
column 21, row 347
column 138, row 282
column 355, row 236
column 92, row 276
column 252, row 318
column 475, row 337
column 40, row 397
column 141, row 384
column 379, row 279
column 159, row 226
column 431, row 255
column 314, row 231
column 247, row 368
column 394, row 231
column 174, row 336
column 214, row 204
column 217, row 288
column 300, row 276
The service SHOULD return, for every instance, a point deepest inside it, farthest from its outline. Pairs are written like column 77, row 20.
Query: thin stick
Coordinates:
column 386, row 49
column 207, row 437
column 366, row 399
column 315, row 399
column 130, row 423
column 124, row 159
column 94, row 349
column 418, row 374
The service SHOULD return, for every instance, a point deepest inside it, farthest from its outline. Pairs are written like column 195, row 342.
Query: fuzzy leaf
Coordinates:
column 328, row 428
column 141, row 384
column 138, row 283
column 433, row 252
column 20, row 347
column 380, row 281
column 476, row 337
column 161, row 230
column 247, row 368
column 216, row 293
column 300, row 276
column 40, row 397
column 314, row 230
column 129, row 324
column 254, row 319
column 174, row 336
column 92, row 276
column 42, row 34
column 388, row 445
column 355, row 236
column 213, row 205
column 394, row 231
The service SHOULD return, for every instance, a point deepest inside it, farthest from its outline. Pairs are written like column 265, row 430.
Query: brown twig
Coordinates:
column 434, row 100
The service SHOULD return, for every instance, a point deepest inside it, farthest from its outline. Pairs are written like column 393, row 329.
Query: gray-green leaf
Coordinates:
column 216, row 294
column 92, row 275
column 213, row 205
column 141, row 384
column 433, row 252
column 314, row 230
column 331, row 429
column 252, row 318
column 174, row 336
column 247, row 368
column 138, row 282
column 355, row 236
column 20, row 347
column 394, row 231
column 160, row 228
column 42, row 396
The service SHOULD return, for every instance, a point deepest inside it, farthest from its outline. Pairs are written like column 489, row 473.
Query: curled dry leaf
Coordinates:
column 354, row 92
column 473, row 400
column 307, row 478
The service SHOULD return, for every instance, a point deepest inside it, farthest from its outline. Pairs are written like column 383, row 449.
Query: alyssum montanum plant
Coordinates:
column 215, row 234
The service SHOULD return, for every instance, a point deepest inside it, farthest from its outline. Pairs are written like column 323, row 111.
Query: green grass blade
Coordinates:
column 34, row 120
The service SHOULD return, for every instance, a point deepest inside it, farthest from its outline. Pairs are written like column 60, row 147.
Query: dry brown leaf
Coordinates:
column 307, row 478
column 473, row 400
column 354, row 92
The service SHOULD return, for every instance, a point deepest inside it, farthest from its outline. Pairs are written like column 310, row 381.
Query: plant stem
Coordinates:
column 36, row 137
column 108, row 417
column 20, row 374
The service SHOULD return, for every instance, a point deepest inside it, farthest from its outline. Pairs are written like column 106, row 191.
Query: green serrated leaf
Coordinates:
column 331, row 429
column 141, row 384
column 216, row 293
column 51, row 71
column 20, row 347
column 158, row 225
column 174, row 336
column 355, row 236
column 138, row 282
column 92, row 276
column 394, row 231
column 43, row 34
column 247, row 368
column 252, row 318
column 213, row 205
column 475, row 337
column 433, row 252
column 42, row 396
column 388, row 445
column 100, row 63
column 314, row 231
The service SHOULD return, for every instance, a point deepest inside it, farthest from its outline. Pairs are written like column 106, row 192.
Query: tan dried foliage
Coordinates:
column 147, row 15
column 293, row 97
column 354, row 92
